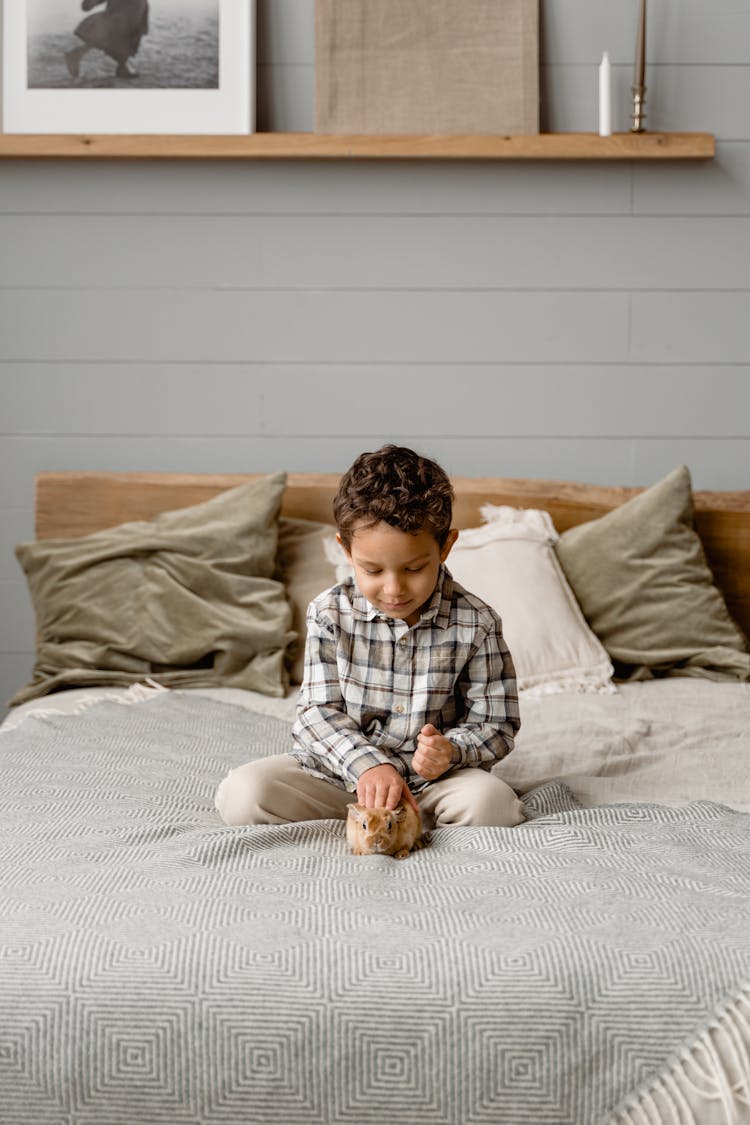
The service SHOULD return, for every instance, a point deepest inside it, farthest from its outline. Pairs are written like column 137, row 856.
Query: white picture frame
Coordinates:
column 183, row 77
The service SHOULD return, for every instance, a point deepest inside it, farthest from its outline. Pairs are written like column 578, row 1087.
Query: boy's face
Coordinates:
column 397, row 572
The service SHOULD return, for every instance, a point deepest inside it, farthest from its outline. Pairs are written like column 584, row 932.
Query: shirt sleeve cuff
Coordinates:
column 357, row 764
column 458, row 757
column 465, row 750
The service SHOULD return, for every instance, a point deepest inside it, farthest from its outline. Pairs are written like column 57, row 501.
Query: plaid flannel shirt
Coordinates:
column 372, row 682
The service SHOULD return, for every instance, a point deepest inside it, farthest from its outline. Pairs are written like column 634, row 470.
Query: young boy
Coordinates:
column 409, row 690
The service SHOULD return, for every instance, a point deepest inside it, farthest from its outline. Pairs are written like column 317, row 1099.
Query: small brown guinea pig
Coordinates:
column 384, row 831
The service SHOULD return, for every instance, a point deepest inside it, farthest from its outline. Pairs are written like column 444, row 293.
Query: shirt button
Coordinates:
column 399, row 709
column 402, row 641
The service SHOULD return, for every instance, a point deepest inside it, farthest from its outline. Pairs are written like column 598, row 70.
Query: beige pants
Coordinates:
column 277, row 791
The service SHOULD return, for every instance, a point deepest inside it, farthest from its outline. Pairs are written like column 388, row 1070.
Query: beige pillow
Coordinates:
column 306, row 572
column 641, row 577
column 510, row 563
column 187, row 599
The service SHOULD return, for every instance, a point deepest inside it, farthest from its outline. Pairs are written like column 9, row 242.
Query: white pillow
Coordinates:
column 511, row 564
column 337, row 557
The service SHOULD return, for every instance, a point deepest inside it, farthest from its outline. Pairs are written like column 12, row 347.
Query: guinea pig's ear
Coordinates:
column 399, row 812
column 353, row 811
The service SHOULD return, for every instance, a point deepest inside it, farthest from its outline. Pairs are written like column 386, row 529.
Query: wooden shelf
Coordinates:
column 316, row 146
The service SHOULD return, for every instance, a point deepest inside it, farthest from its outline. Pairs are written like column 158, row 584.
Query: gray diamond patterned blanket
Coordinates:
column 158, row 967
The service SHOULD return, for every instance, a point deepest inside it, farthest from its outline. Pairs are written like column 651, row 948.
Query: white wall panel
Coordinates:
column 314, row 188
column 561, row 320
column 307, row 253
column 712, row 187
column 692, row 328
column 16, row 526
column 335, row 326
column 130, row 398
column 524, row 400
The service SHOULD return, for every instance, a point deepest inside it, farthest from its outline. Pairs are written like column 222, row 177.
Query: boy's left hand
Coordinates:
column 434, row 754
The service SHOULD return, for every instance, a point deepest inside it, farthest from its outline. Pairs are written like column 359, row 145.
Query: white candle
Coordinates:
column 605, row 96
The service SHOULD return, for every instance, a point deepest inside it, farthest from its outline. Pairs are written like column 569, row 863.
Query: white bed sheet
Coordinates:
column 76, row 700
column 665, row 741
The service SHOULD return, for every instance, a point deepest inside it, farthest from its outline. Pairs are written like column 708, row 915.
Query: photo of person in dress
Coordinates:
column 117, row 31
column 122, row 44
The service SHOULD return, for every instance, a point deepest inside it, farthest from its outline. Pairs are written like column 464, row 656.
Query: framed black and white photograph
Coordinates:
column 129, row 66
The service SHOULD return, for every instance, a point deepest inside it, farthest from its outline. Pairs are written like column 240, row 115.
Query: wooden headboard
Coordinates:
column 72, row 503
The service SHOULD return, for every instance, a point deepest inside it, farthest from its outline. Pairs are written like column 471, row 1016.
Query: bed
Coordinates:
column 589, row 966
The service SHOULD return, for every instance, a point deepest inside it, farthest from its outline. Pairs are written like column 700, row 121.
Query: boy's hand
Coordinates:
column 383, row 787
column 434, row 754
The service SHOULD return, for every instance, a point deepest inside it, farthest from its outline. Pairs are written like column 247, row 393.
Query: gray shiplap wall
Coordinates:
column 554, row 320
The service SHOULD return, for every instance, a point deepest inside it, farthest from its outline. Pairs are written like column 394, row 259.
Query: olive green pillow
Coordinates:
column 643, row 583
column 188, row 599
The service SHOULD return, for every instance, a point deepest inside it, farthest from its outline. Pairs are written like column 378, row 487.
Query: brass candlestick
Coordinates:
column 639, row 77
column 638, row 115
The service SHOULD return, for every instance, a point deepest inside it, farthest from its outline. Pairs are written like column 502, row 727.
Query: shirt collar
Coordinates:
column 437, row 610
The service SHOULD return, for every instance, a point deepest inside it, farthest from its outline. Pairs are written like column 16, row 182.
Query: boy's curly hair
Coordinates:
column 397, row 486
